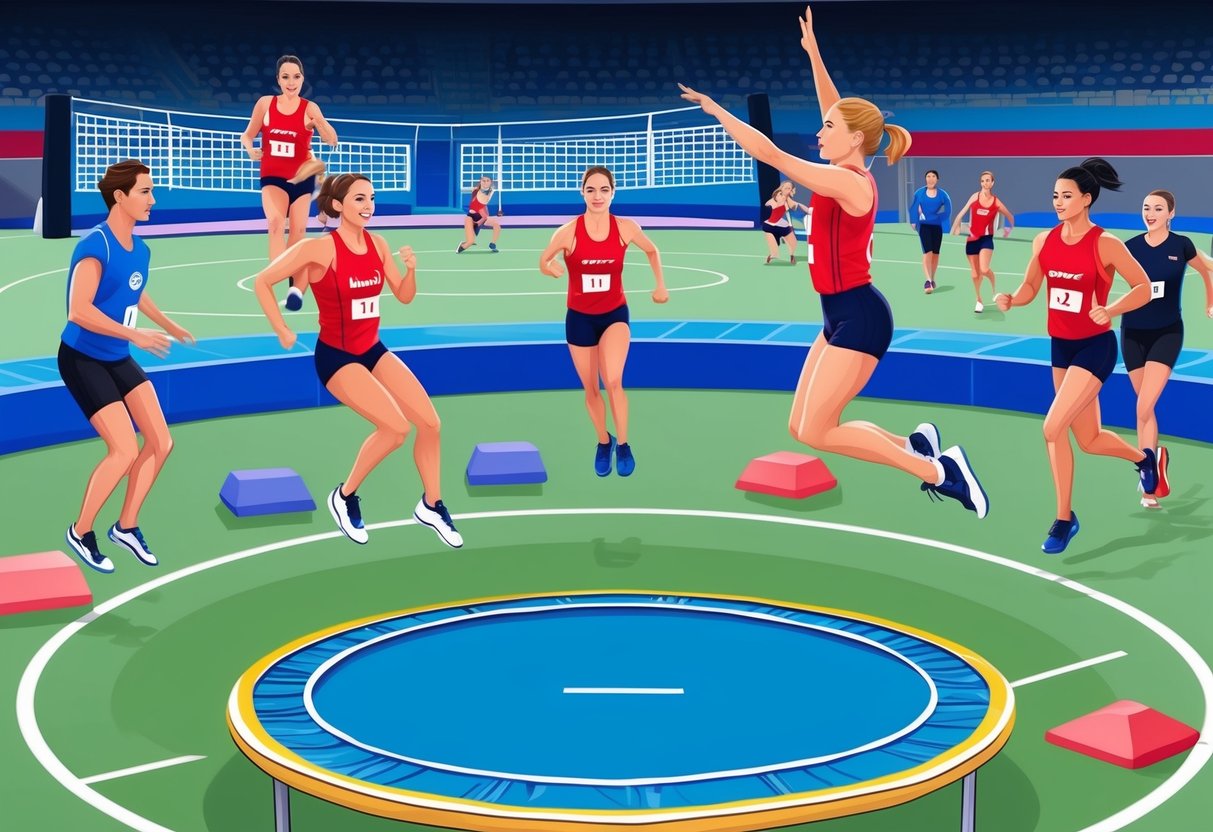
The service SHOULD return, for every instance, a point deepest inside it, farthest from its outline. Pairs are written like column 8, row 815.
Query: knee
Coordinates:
column 161, row 444
column 396, row 431
column 124, row 453
column 592, row 394
column 1086, row 442
column 430, row 425
column 613, row 383
column 298, row 228
column 1145, row 411
column 810, row 434
column 1054, row 431
column 277, row 225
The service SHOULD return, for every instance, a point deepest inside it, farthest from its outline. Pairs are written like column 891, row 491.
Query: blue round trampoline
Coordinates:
column 601, row 710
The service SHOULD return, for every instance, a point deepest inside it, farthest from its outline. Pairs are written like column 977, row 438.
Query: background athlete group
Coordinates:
column 347, row 269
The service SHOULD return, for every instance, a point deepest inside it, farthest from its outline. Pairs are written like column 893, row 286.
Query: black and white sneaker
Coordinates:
column 132, row 540
column 960, row 483
column 439, row 519
column 85, row 547
column 924, row 441
column 347, row 511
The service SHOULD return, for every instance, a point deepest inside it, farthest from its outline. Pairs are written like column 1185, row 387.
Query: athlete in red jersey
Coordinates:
column 288, row 171
column 1076, row 261
column 478, row 216
column 777, row 220
column 858, row 323
column 979, row 246
column 596, row 324
column 348, row 269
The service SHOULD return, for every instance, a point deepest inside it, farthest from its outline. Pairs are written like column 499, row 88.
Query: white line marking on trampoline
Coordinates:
column 125, row 772
column 1196, row 759
column 636, row 691
column 1070, row 668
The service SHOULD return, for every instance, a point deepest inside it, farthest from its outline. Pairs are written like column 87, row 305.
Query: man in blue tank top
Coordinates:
column 105, row 297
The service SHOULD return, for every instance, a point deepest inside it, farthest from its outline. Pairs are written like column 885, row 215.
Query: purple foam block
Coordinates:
column 265, row 491
column 506, row 463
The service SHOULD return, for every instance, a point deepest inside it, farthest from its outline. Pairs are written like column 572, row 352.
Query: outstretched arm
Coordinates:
column 827, row 93
column 630, row 231
column 1031, row 279
column 296, row 260
column 852, row 191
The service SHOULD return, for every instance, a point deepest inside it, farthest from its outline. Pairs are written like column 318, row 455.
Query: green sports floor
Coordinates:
column 148, row 680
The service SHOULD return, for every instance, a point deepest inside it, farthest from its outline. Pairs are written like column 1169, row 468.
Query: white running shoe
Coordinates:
column 85, row 547
column 439, row 519
column 348, row 514
column 979, row 307
column 132, row 540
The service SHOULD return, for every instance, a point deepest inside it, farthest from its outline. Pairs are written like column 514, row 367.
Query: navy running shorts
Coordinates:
column 1141, row 345
column 858, row 319
column 94, row 383
column 293, row 192
column 1096, row 355
column 777, row 231
column 930, row 235
column 329, row 359
column 582, row 330
column 974, row 246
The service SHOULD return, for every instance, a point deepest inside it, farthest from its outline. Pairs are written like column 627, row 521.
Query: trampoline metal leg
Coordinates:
column 968, row 806
column 282, row 807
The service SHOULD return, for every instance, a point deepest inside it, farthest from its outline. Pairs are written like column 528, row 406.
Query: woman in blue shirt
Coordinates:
column 929, row 212
column 106, row 294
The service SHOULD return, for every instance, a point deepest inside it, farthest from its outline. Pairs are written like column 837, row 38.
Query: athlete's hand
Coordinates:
column 1099, row 315
column 287, row 338
column 182, row 335
column 1003, row 301
column 806, row 29
column 705, row 101
column 151, row 340
column 409, row 258
column 661, row 294
column 554, row 269
column 254, row 153
column 1006, row 232
column 1210, row 312
column 914, row 225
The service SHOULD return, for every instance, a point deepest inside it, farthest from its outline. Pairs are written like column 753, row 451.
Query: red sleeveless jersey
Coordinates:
column 595, row 271
column 840, row 245
column 285, row 143
column 777, row 214
column 1074, row 276
column 347, row 297
column 981, row 219
column 477, row 207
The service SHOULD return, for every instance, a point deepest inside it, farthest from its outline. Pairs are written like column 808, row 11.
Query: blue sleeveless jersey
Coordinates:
column 123, row 279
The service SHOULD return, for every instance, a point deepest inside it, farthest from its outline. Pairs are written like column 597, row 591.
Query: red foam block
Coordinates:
column 41, row 581
column 786, row 474
column 1125, row 733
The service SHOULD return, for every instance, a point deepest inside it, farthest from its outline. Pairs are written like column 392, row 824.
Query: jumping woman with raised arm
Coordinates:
column 858, row 321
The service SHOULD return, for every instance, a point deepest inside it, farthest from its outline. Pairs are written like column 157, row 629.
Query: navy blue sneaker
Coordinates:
column 493, row 247
column 461, row 248
column 960, row 483
column 625, row 463
column 1147, row 471
column 85, row 547
column 602, row 457
column 294, row 300
column 924, row 441
column 1060, row 535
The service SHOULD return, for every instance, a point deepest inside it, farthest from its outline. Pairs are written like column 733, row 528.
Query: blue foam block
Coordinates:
column 506, row 463
column 265, row 491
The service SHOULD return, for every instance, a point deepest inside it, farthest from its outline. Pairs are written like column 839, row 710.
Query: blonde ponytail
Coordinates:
column 899, row 142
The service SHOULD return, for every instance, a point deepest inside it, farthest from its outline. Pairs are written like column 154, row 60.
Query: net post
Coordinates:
column 650, row 172
column 759, row 105
column 57, row 167
column 168, row 149
column 500, row 180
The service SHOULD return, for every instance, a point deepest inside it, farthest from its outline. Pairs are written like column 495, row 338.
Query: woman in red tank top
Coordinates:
column 288, row 170
column 347, row 270
column 596, row 324
column 1077, row 260
column 979, row 246
column 478, row 216
column 858, row 323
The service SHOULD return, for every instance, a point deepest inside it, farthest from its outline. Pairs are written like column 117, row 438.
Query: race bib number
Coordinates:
column 1065, row 300
column 130, row 318
column 591, row 283
column 1158, row 289
column 282, row 149
column 363, row 308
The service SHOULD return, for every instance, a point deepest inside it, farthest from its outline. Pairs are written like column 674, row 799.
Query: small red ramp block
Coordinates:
column 41, row 581
column 1126, row 733
column 787, row 474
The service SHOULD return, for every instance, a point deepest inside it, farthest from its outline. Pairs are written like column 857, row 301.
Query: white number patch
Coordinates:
column 363, row 308
column 1158, row 289
column 130, row 318
column 282, row 149
column 591, row 283
column 1065, row 300
column 808, row 233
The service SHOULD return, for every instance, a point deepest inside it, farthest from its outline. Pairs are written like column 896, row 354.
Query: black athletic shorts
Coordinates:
column 95, row 384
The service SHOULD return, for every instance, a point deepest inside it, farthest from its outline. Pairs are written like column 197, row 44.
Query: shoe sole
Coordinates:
column 932, row 436
column 975, row 490
column 437, row 531
column 337, row 519
column 83, row 553
column 138, row 556
column 1163, row 489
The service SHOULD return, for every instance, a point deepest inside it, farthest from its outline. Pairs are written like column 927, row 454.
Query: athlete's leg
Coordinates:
column 354, row 386
column 612, row 356
column 585, row 361
column 414, row 402
column 144, row 407
column 113, row 425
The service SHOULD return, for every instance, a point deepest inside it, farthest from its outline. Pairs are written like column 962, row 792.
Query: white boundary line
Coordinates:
column 1070, row 668
column 635, row 691
column 124, row 772
column 1195, row 760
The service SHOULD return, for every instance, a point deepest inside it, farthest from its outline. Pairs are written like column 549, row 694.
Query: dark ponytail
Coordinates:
column 1093, row 175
